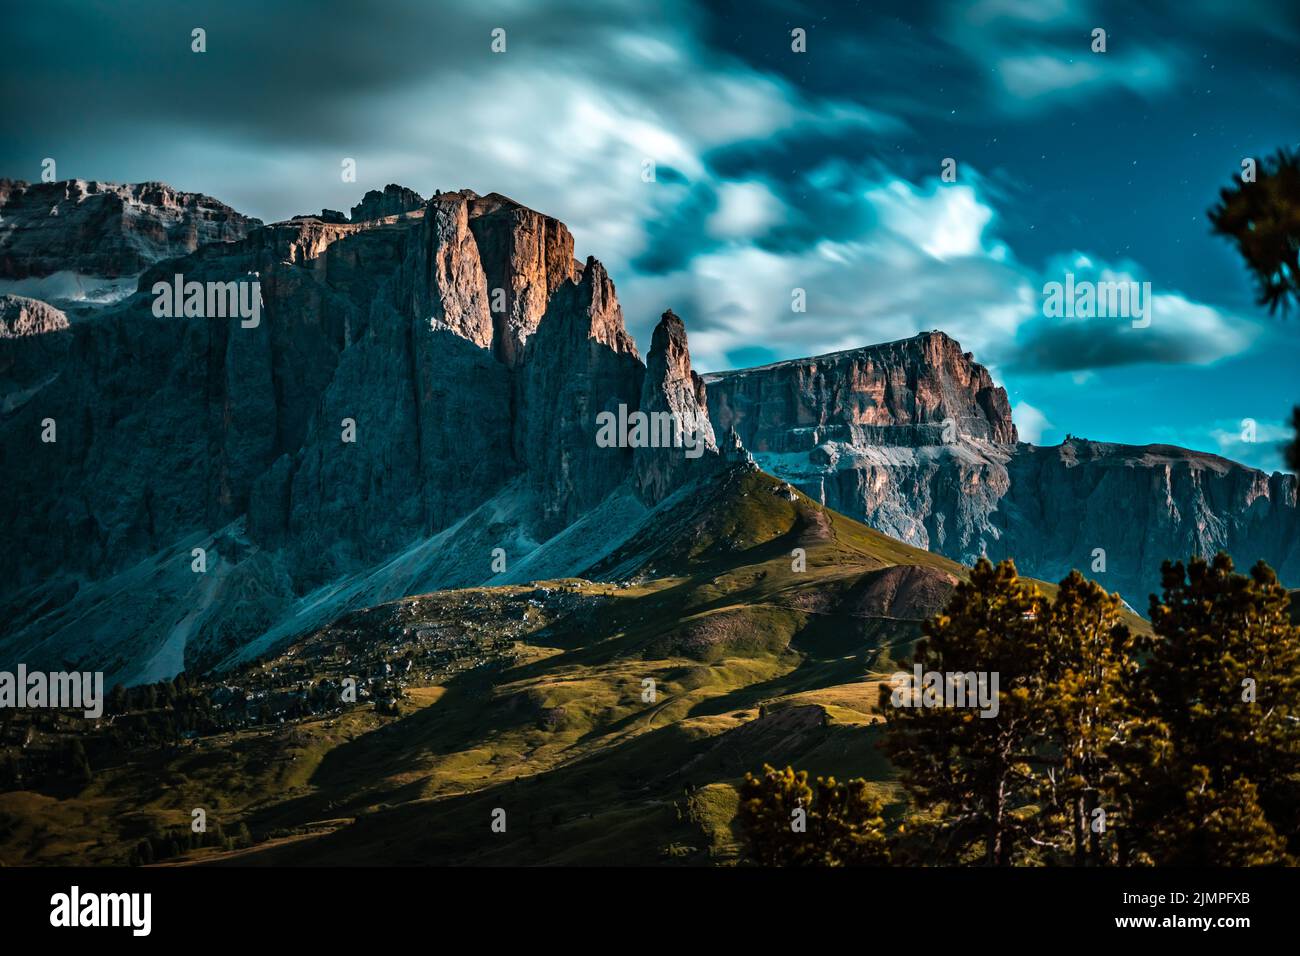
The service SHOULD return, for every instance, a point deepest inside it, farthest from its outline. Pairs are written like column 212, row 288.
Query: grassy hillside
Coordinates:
column 539, row 709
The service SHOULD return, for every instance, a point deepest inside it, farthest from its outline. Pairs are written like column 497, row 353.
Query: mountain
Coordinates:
column 419, row 389
column 392, row 471
column 414, row 405
column 82, row 242
column 914, row 438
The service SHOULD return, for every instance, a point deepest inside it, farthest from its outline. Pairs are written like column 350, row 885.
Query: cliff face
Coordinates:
column 915, row 439
column 901, row 393
column 526, row 257
column 377, row 402
column 1141, row 505
column 105, row 229
column 581, row 362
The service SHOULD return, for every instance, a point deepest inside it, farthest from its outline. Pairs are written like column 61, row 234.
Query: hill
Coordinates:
column 530, row 698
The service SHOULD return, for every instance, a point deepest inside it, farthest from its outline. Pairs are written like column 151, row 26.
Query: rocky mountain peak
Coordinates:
column 672, row 386
column 394, row 200
column 105, row 229
column 595, row 290
column 906, row 393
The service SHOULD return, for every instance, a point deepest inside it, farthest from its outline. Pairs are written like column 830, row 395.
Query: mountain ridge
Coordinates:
column 472, row 352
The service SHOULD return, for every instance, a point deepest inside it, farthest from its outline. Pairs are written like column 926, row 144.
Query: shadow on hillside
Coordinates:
column 631, row 804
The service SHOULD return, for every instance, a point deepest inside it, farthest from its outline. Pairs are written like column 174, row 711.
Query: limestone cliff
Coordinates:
column 914, row 438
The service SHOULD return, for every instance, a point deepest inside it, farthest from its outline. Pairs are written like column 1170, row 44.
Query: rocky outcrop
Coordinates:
column 105, row 229
column 21, row 317
column 393, row 201
column 580, row 362
column 526, row 256
column 902, row 393
column 914, row 438
column 673, row 399
column 911, row 437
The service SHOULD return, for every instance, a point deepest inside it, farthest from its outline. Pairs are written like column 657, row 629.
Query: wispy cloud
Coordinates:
column 1031, row 423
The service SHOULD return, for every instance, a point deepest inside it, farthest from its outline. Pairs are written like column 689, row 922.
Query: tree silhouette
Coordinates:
column 1263, row 219
column 1210, row 757
column 841, row 823
column 1091, row 657
column 975, row 772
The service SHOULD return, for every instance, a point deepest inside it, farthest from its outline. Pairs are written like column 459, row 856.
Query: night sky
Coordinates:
column 774, row 170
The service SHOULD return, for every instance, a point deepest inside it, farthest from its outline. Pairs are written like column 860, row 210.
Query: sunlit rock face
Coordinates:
column 526, row 256
column 672, row 387
column 914, row 438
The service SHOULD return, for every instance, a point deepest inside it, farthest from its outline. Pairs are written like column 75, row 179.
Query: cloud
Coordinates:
column 1038, row 56
column 562, row 120
column 1251, row 441
column 746, row 210
column 924, row 257
column 763, row 184
column 945, row 222
column 1043, row 77
column 1030, row 422
column 1180, row 331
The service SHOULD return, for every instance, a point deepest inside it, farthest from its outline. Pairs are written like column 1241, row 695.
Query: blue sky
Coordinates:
column 774, row 170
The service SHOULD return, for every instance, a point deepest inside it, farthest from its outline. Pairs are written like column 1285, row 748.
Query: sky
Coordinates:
column 774, row 170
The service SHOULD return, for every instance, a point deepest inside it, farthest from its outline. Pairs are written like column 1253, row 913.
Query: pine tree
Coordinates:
column 848, row 822
column 1091, row 659
column 769, row 805
column 1263, row 218
column 1226, row 828
column 976, row 770
column 786, row 823
column 1216, row 728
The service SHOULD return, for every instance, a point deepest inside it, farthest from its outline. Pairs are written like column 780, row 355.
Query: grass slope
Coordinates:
column 752, row 661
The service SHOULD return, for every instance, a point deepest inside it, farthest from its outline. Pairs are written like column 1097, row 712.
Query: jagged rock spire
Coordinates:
column 672, row 388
